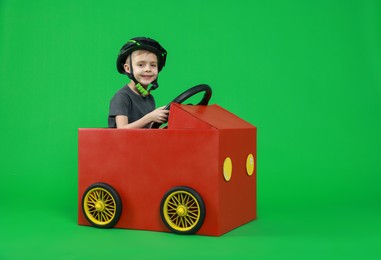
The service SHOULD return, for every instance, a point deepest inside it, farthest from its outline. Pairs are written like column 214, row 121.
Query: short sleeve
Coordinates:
column 119, row 105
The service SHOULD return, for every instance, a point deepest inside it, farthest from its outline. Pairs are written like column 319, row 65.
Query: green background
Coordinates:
column 306, row 73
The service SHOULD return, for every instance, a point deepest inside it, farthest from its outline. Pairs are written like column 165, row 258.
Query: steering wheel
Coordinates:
column 186, row 95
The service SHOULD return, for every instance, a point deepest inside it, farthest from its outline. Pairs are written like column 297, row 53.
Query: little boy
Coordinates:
column 141, row 59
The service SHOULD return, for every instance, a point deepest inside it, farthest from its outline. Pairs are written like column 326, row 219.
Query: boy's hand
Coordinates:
column 159, row 115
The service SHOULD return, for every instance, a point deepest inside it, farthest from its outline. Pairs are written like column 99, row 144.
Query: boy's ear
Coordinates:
column 127, row 68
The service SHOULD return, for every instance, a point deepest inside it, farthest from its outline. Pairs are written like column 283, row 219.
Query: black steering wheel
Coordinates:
column 186, row 95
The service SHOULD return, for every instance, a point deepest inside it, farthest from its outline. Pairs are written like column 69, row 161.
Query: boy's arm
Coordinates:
column 158, row 115
column 122, row 122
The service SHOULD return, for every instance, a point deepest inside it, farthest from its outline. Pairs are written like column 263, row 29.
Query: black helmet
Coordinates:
column 141, row 43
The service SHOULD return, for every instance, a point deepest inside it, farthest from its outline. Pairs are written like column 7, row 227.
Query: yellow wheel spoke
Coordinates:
column 103, row 195
column 109, row 205
column 186, row 199
column 176, row 200
column 109, row 201
column 171, row 208
column 107, row 198
column 189, row 222
column 192, row 212
column 92, row 197
column 176, row 220
column 193, row 218
column 172, row 204
column 109, row 213
column 172, row 213
column 181, row 222
column 192, row 203
column 185, row 223
column 104, row 217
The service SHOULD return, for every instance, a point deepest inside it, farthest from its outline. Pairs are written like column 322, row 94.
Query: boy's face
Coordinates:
column 144, row 65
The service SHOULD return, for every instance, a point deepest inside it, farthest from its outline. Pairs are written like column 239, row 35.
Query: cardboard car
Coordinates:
column 196, row 176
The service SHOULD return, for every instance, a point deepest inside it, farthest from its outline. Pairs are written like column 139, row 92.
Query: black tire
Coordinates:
column 182, row 210
column 101, row 205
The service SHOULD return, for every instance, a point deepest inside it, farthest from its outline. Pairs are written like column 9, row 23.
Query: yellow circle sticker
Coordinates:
column 228, row 167
column 250, row 164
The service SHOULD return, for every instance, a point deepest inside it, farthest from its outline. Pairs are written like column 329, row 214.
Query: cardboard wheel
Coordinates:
column 101, row 205
column 182, row 210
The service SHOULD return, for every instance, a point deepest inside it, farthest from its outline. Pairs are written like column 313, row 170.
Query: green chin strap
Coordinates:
column 143, row 91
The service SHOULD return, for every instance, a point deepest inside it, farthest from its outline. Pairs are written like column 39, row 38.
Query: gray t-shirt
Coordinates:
column 127, row 103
